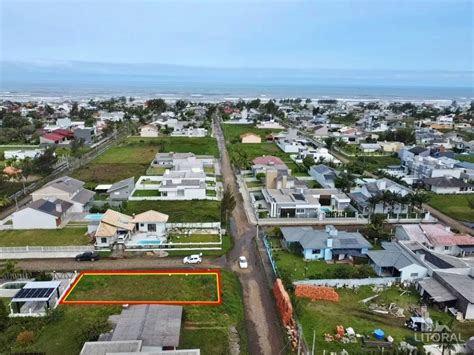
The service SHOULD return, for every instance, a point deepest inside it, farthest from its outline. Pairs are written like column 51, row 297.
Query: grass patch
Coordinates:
column 225, row 247
column 349, row 312
column 209, row 170
column 454, row 206
column 133, row 157
column 251, row 184
column 211, row 193
column 199, row 321
column 145, row 287
column 156, row 171
column 44, row 237
column 179, row 211
column 466, row 158
column 193, row 238
column 293, row 267
column 146, row 193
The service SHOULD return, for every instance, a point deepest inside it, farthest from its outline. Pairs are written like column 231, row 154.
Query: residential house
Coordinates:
column 450, row 290
column 183, row 185
column 66, row 189
column 324, row 175
column 121, row 190
column 305, row 202
column 409, row 153
column 272, row 124
column 169, row 160
column 396, row 261
column 22, row 154
column 141, row 329
column 269, row 162
column 391, row 147
column 189, row 132
column 149, row 131
column 319, row 155
column 42, row 214
column 51, row 138
column 64, row 122
column 370, row 147
column 87, row 134
column 325, row 244
column 448, row 185
column 361, row 196
column 250, row 138
column 436, row 237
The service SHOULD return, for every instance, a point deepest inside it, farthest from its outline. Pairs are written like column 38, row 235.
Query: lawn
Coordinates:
column 133, row 157
column 44, row 237
column 323, row 316
column 202, row 322
column 211, row 193
column 292, row 267
column 454, row 206
column 251, row 184
column 63, row 332
column 179, row 211
column 225, row 247
column 159, row 287
column 193, row 238
column 155, row 171
column 146, row 193
column 467, row 158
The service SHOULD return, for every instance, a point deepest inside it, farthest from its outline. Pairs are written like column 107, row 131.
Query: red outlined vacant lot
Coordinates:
column 179, row 287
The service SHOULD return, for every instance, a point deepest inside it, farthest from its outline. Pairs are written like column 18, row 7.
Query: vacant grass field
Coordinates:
column 44, row 237
column 145, row 287
column 179, row 211
column 225, row 247
column 133, row 157
column 323, row 316
column 232, row 132
column 193, row 238
column 454, row 206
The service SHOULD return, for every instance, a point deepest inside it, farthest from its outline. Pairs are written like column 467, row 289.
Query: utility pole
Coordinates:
column 314, row 339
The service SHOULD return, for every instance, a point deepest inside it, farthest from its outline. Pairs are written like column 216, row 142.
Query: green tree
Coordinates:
column 329, row 142
column 76, row 146
column 3, row 316
column 44, row 164
column 228, row 204
column 74, row 110
column 308, row 161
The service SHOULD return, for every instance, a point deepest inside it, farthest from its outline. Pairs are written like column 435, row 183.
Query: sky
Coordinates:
column 418, row 35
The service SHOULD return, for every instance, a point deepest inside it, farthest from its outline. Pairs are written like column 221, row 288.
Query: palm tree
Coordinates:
column 228, row 204
column 418, row 198
column 373, row 201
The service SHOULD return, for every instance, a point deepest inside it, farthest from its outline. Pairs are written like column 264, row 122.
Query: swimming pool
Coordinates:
column 149, row 242
column 94, row 216
column 325, row 209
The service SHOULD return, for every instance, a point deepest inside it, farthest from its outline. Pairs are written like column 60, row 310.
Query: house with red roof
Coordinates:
column 52, row 138
column 437, row 237
column 66, row 133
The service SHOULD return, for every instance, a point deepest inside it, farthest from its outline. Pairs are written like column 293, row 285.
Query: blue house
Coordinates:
column 325, row 244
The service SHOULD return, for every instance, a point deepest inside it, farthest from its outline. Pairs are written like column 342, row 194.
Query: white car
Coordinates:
column 243, row 262
column 193, row 259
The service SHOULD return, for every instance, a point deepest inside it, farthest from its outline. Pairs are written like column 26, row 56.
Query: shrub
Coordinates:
column 42, row 276
column 3, row 316
column 25, row 338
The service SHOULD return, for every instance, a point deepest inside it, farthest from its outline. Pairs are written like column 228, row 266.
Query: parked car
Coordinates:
column 193, row 259
column 87, row 256
column 243, row 263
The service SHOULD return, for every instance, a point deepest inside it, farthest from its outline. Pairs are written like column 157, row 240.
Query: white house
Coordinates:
column 149, row 131
column 42, row 214
column 66, row 189
column 22, row 154
column 395, row 261
column 370, row 147
column 448, row 185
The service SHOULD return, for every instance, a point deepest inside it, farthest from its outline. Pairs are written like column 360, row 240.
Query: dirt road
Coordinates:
column 263, row 327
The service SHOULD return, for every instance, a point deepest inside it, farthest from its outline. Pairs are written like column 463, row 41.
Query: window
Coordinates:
column 142, row 224
column 300, row 210
column 414, row 274
column 316, row 251
column 103, row 240
column 447, row 247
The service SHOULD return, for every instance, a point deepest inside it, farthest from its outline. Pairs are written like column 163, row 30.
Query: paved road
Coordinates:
column 142, row 263
column 263, row 327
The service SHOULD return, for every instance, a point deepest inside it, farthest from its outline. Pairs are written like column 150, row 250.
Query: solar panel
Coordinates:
column 349, row 241
column 31, row 293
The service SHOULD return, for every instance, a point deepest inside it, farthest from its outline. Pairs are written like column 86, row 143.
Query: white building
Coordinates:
column 42, row 214
column 149, row 131
column 22, row 154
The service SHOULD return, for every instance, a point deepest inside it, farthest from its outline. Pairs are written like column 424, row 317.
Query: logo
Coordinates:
column 440, row 334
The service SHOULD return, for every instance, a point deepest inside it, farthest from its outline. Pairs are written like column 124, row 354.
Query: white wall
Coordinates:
column 29, row 218
column 405, row 273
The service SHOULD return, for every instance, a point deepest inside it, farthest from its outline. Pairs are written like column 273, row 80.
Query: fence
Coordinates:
column 72, row 248
column 350, row 282
column 269, row 250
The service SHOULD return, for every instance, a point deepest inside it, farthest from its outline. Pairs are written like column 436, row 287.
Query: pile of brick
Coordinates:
column 285, row 309
column 283, row 302
column 314, row 293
